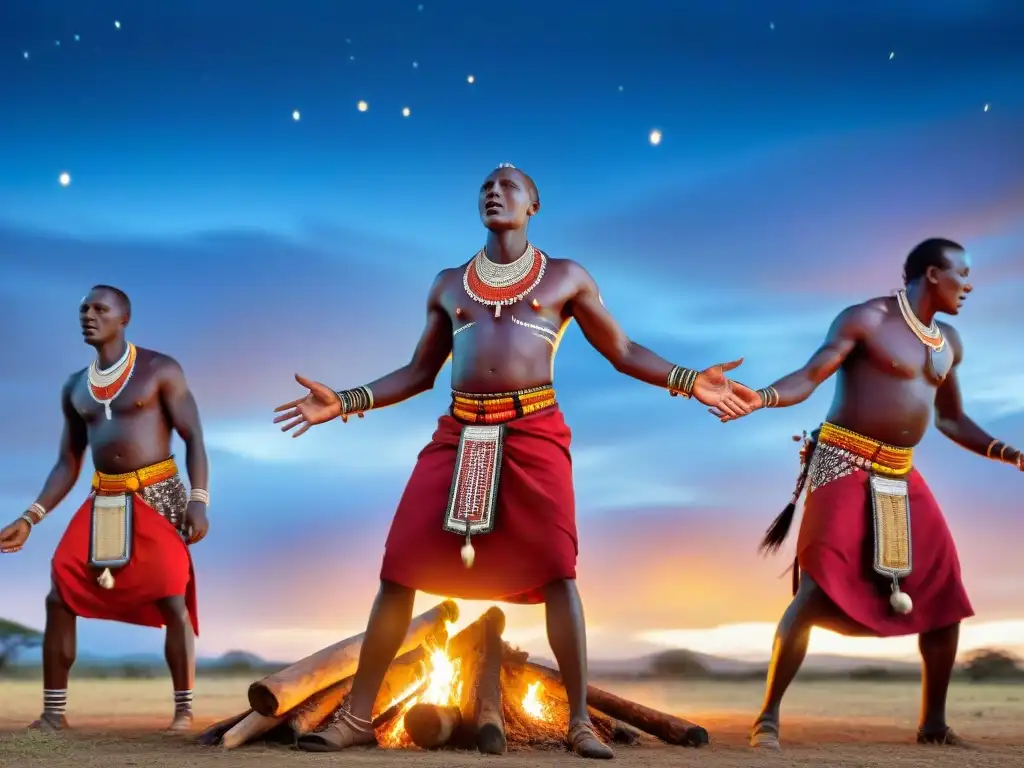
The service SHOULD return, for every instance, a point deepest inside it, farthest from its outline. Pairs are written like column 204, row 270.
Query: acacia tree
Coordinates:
column 993, row 664
column 15, row 638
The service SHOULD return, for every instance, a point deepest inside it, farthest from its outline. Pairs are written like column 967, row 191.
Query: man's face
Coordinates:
column 505, row 200
column 951, row 285
column 102, row 318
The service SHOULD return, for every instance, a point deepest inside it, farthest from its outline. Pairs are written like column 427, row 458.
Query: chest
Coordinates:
column 138, row 395
column 896, row 350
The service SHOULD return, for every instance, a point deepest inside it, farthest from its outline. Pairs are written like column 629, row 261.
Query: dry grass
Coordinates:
column 843, row 724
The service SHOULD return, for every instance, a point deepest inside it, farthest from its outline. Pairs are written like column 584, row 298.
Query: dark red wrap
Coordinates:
column 836, row 548
column 160, row 567
column 534, row 539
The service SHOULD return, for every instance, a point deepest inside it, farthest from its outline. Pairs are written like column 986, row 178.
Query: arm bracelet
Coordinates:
column 34, row 514
column 355, row 400
column 681, row 381
column 200, row 495
column 1000, row 451
column 769, row 397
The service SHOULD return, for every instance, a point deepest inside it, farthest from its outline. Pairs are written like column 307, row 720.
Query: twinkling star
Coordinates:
column 419, row 7
column 25, row 55
column 77, row 38
column 296, row 115
column 406, row 111
column 117, row 25
column 351, row 58
column 64, row 179
column 362, row 106
column 415, row 65
column 771, row 25
column 470, row 79
column 57, row 43
column 654, row 137
column 622, row 88
column 892, row 55
column 985, row 108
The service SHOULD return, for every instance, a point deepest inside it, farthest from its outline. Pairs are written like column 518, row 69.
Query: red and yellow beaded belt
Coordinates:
column 882, row 458
column 497, row 409
column 130, row 482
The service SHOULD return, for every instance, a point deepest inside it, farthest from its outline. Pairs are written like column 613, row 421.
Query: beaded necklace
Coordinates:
column 105, row 385
column 929, row 335
column 496, row 285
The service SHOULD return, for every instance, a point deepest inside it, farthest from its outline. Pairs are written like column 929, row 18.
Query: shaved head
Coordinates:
column 527, row 180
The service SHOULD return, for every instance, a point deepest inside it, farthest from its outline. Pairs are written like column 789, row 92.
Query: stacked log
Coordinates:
column 484, row 710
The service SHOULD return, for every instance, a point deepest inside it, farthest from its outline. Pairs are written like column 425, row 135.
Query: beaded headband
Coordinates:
column 506, row 165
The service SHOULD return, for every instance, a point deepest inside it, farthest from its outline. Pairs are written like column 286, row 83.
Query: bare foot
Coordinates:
column 584, row 742
column 344, row 730
column 765, row 734
column 50, row 722
column 943, row 736
column 182, row 722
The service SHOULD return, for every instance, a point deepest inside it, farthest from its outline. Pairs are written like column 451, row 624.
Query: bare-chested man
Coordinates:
column 123, row 556
column 500, row 318
column 874, row 555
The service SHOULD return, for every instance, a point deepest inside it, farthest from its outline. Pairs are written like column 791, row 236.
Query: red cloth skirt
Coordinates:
column 534, row 539
column 160, row 567
column 836, row 548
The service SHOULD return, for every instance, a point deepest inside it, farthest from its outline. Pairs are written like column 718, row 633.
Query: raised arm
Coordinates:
column 180, row 406
column 604, row 333
column 850, row 327
column 428, row 358
column 417, row 376
column 951, row 420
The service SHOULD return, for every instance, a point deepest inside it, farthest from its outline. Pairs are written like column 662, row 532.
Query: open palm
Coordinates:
column 319, row 405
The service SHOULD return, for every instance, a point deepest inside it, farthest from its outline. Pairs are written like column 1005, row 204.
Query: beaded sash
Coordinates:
column 841, row 452
column 473, row 499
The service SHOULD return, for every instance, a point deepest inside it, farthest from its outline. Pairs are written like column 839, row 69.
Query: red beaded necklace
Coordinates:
column 496, row 285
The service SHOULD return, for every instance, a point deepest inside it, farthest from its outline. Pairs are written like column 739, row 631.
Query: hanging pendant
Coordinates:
column 106, row 410
column 497, row 310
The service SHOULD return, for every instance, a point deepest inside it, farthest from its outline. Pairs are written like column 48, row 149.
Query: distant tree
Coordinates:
column 993, row 664
column 872, row 674
column 679, row 662
column 15, row 638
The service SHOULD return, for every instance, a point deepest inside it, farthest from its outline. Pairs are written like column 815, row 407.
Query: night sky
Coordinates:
column 805, row 148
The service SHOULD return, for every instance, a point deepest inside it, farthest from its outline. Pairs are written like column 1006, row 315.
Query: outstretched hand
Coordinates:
column 715, row 390
column 320, row 405
column 748, row 396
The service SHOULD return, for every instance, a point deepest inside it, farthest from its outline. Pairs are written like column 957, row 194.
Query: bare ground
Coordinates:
column 826, row 724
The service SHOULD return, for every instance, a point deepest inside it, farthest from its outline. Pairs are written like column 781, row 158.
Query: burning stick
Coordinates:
column 490, row 722
column 431, row 726
column 276, row 694
column 668, row 728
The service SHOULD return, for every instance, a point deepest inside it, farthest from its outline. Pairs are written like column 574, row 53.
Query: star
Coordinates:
column 351, row 58
column 771, row 25
column 892, row 55
column 77, row 38
column 470, row 79
column 622, row 88
column 117, row 25
column 985, row 108
column 415, row 65
column 419, row 7
column 362, row 106
column 64, row 179
column 296, row 115
column 654, row 137
column 348, row 40
column 406, row 111
column 25, row 55
column 57, row 43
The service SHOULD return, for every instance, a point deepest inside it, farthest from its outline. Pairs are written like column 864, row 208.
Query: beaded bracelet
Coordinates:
column 355, row 400
column 681, row 381
column 769, row 397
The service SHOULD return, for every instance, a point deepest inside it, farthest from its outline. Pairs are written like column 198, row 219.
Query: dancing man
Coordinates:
column 495, row 482
column 874, row 554
column 123, row 556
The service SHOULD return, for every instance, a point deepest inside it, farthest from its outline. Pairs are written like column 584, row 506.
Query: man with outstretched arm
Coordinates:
column 874, row 554
column 458, row 531
column 124, row 556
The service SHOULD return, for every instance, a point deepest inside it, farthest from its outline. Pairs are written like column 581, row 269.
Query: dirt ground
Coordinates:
column 826, row 724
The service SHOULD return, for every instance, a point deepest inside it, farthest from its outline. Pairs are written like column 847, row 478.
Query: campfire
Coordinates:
column 467, row 690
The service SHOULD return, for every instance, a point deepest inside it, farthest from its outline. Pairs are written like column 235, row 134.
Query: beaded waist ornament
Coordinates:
column 473, row 498
column 840, row 451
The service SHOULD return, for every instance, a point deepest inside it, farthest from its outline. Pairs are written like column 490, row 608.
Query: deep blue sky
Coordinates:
column 807, row 146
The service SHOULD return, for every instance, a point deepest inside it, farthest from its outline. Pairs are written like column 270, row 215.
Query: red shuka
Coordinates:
column 534, row 539
column 160, row 567
column 836, row 549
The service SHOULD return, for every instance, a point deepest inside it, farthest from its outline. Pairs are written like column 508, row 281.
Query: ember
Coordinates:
column 470, row 689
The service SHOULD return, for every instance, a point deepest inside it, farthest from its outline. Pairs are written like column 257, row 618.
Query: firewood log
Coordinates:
column 469, row 647
column 311, row 713
column 490, row 721
column 277, row 694
column 668, row 728
column 212, row 736
column 250, row 727
column 431, row 726
column 402, row 675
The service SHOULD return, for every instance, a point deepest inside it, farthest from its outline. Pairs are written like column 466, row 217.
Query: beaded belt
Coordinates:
column 866, row 452
column 498, row 409
column 130, row 482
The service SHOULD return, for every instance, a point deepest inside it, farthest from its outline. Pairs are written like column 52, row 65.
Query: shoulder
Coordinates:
column 160, row 366
column 445, row 280
column 572, row 272
column 73, row 381
column 866, row 316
